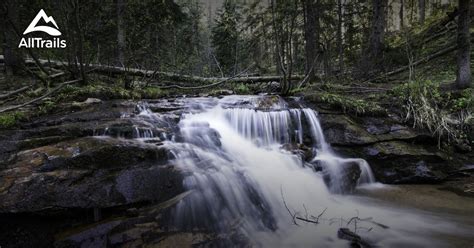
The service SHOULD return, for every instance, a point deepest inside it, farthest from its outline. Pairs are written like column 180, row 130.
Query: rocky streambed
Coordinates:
column 97, row 173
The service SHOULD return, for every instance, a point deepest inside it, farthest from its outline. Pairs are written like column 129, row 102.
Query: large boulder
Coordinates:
column 60, row 173
column 87, row 173
column 396, row 153
column 343, row 130
column 343, row 181
column 396, row 162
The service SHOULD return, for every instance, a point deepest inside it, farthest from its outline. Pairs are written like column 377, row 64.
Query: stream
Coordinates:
column 243, row 163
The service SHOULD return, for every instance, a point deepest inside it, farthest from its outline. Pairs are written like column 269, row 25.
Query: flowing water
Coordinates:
column 243, row 180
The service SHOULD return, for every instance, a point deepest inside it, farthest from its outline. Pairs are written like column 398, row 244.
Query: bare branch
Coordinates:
column 39, row 98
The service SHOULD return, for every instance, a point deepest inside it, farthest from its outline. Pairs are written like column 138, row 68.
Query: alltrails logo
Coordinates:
column 40, row 42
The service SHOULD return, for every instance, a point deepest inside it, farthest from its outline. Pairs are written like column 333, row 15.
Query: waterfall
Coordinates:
column 248, row 180
column 234, row 163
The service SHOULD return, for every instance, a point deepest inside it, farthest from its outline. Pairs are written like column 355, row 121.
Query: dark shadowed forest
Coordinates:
column 236, row 123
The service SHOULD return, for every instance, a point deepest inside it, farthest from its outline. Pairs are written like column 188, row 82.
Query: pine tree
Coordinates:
column 225, row 37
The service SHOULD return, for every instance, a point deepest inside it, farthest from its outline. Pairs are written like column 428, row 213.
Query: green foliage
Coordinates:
column 151, row 93
column 96, row 91
column 348, row 104
column 464, row 102
column 47, row 107
column 8, row 120
column 298, row 90
column 242, row 89
column 106, row 92
column 226, row 37
column 425, row 106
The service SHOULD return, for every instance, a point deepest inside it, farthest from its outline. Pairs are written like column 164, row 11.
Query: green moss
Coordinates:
column 242, row 89
column 298, row 91
column 108, row 92
column 8, row 120
column 47, row 107
column 104, row 92
column 348, row 104
column 152, row 93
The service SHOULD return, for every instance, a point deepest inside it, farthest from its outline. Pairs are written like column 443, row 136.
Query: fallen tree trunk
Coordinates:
column 116, row 70
column 424, row 60
column 20, row 90
column 10, row 108
column 420, row 61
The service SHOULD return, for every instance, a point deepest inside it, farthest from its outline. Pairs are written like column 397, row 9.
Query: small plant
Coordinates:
column 151, row 92
column 47, row 107
column 242, row 89
column 8, row 120
column 464, row 102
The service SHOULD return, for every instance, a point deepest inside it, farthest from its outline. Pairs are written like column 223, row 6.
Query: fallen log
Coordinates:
column 116, row 70
column 201, row 86
column 20, row 90
column 418, row 62
column 424, row 60
column 10, row 108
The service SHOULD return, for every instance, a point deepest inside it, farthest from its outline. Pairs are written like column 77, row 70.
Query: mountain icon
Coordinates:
column 49, row 30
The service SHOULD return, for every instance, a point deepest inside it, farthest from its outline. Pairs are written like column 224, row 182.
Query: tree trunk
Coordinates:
column 120, row 33
column 340, row 45
column 80, row 45
column 401, row 14
column 421, row 11
column 374, row 53
column 463, row 79
column 12, row 55
column 311, row 36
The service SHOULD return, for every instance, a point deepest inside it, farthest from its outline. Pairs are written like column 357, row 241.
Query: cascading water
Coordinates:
column 244, row 182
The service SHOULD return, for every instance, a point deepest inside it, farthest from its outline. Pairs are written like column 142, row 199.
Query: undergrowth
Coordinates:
column 106, row 92
column 347, row 104
column 443, row 114
column 8, row 120
column 242, row 89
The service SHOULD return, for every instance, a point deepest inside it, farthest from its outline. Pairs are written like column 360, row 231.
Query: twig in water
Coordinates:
column 319, row 216
column 293, row 215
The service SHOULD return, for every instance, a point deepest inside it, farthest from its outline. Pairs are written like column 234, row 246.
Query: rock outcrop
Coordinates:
column 396, row 153
column 79, row 166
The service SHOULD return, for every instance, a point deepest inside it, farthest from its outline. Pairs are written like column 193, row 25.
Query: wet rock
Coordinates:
column 222, row 92
column 354, row 239
column 461, row 181
column 305, row 152
column 463, row 148
column 340, row 182
column 269, row 102
column 343, row 130
column 87, row 173
column 145, row 227
column 396, row 153
column 350, row 176
column 165, row 107
column 396, row 162
column 88, row 101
